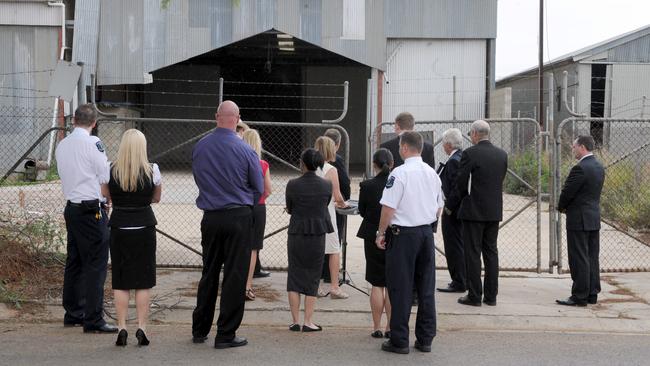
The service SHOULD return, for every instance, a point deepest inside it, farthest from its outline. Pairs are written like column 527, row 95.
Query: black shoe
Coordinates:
column 387, row 334
column 199, row 339
column 421, row 347
column 592, row 299
column 451, row 288
column 489, row 302
column 309, row 329
column 106, row 328
column 142, row 338
column 121, row 338
column 295, row 327
column 235, row 342
column 377, row 334
column 465, row 300
column 571, row 302
column 261, row 274
column 389, row 347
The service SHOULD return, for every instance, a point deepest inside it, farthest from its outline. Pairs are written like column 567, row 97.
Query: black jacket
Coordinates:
column 483, row 166
column 449, row 174
column 580, row 197
column 369, row 196
column 393, row 146
column 344, row 178
column 307, row 198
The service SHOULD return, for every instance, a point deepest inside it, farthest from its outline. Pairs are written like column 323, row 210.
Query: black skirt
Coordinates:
column 306, row 254
column 259, row 224
column 375, row 263
column 133, row 258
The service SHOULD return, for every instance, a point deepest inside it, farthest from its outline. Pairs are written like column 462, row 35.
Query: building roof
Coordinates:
column 592, row 52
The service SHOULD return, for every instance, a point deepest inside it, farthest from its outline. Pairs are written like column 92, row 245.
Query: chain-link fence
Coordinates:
column 31, row 201
column 623, row 147
column 170, row 144
column 520, row 243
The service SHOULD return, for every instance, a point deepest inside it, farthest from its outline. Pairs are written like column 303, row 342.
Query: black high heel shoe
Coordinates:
column 142, row 338
column 121, row 338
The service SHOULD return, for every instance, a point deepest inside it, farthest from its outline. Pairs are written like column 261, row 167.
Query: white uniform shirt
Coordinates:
column 414, row 190
column 82, row 166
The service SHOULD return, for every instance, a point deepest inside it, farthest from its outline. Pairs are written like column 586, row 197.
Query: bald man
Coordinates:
column 228, row 174
column 479, row 204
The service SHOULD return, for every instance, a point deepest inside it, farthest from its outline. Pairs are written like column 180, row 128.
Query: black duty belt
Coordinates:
column 87, row 203
column 123, row 208
column 397, row 229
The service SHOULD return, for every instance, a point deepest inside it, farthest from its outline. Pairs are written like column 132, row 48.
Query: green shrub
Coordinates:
column 626, row 196
column 524, row 164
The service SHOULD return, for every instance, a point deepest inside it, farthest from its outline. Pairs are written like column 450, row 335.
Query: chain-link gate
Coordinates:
column 520, row 243
column 170, row 144
column 623, row 147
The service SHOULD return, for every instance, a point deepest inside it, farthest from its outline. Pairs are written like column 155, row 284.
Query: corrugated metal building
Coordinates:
column 30, row 39
column 608, row 79
column 419, row 45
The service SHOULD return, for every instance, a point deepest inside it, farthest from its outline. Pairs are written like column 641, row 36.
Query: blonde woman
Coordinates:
column 252, row 137
column 327, row 148
column 134, row 185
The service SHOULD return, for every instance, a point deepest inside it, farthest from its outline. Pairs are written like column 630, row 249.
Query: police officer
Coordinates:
column 411, row 202
column 84, row 171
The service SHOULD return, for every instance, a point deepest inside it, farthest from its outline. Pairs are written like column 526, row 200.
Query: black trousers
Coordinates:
column 481, row 238
column 584, row 248
column 452, row 234
column 85, row 264
column 225, row 239
column 410, row 262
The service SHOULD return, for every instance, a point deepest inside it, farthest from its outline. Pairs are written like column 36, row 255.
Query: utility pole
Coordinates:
column 540, row 69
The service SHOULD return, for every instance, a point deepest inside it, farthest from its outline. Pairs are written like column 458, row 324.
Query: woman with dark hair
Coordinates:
column 307, row 198
column 370, row 209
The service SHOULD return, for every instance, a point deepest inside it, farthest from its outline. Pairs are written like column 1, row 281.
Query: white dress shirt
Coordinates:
column 414, row 190
column 82, row 165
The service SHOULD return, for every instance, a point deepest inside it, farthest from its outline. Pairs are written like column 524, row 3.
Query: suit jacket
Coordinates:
column 344, row 178
column 449, row 174
column 307, row 198
column 369, row 196
column 479, row 183
column 393, row 146
column 580, row 196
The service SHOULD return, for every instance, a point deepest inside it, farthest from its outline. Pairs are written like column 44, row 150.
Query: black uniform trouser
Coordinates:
column 584, row 248
column 452, row 234
column 225, row 239
column 410, row 261
column 479, row 238
column 85, row 264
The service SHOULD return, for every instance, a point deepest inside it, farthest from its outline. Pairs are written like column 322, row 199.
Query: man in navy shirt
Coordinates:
column 229, row 177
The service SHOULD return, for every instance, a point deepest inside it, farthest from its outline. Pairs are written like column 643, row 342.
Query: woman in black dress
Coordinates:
column 307, row 199
column 370, row 209
column 133, row 186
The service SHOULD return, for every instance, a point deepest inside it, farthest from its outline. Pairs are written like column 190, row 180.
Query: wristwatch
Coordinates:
column 379, row 234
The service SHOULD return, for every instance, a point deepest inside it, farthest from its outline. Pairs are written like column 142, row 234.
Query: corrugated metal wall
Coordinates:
column 440, row 18
column 629, row 84
column 143, row 37
column 637, row 50
column 420, row 79
column 29, row 13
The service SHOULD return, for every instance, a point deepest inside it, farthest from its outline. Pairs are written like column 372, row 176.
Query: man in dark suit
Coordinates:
column 452, row 234
column 580, row 200
column 479, row 203
column 405, row 122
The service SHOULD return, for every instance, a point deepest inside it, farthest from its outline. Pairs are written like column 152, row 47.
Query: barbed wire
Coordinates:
column 217, row 94
column 246, row 82
column 215, row 107
column 29, row 89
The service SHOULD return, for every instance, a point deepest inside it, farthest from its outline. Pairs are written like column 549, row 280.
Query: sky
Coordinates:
column 570, row 25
